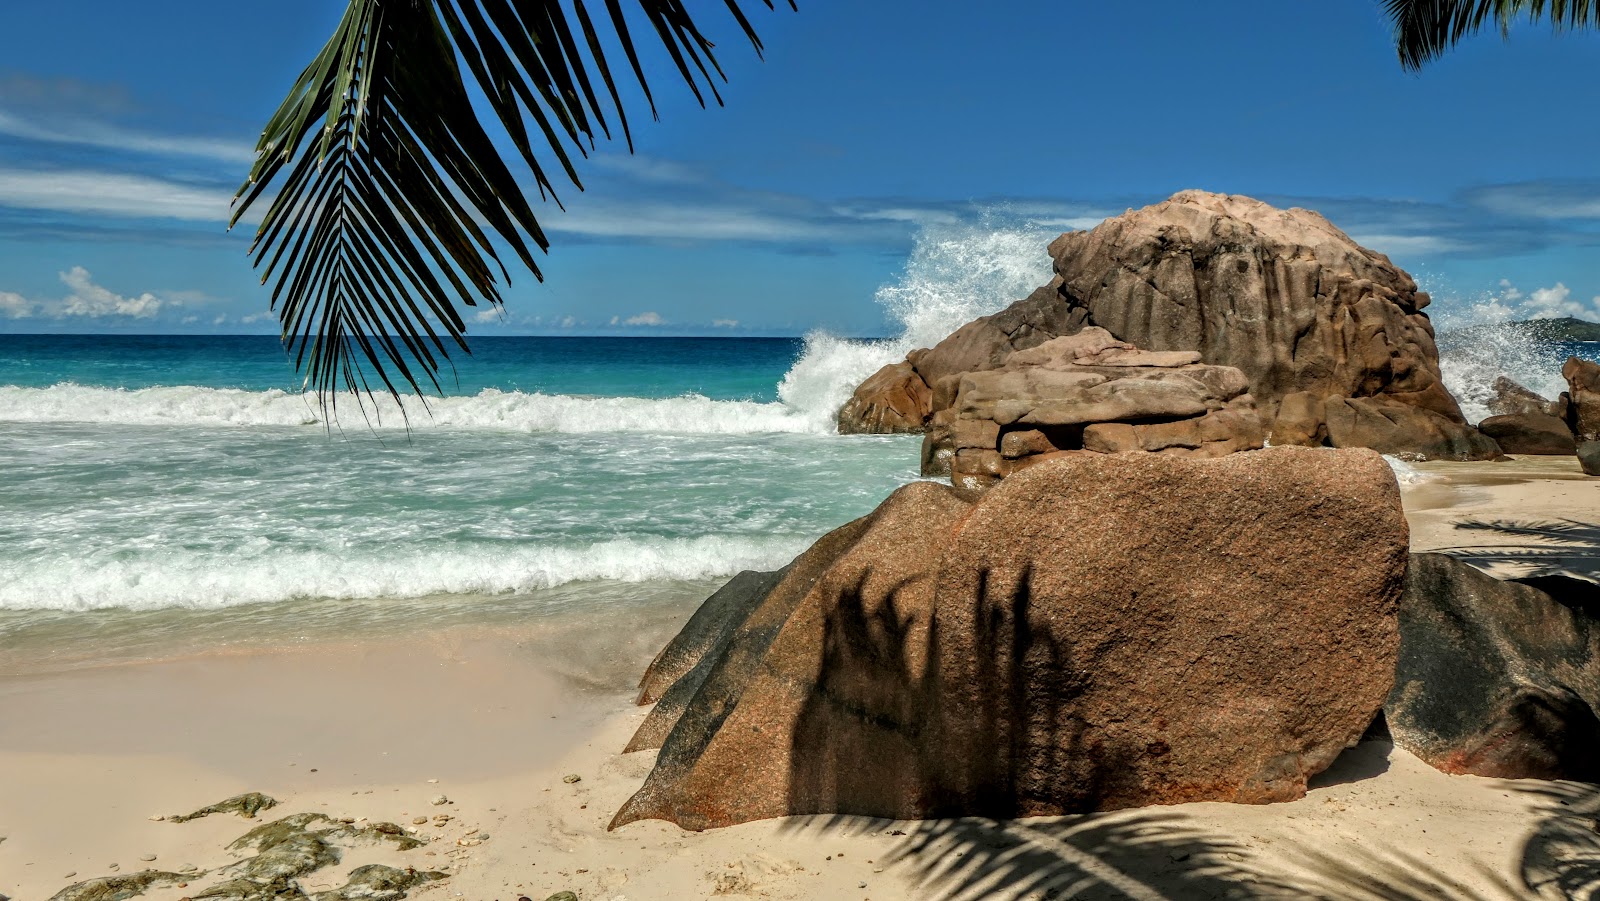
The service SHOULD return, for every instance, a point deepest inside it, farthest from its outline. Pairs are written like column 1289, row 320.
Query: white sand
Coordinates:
column 86, row 757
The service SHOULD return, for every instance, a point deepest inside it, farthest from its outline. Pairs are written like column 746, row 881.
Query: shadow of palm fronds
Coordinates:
column 1151, row 855
column 1364, row 874
column 1565, row 547
column 1562, row 857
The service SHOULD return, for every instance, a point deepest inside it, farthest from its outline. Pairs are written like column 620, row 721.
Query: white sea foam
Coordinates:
column 1405, row 473
column 488, row 409
column 194, row 581
column 1474, row 352
column 954, row 275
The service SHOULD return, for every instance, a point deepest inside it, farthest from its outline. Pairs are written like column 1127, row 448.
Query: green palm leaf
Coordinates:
column 1425, row 29
column 390, row 196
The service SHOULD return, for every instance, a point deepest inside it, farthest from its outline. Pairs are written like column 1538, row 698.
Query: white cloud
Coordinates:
column 15, row 306
column 91, row 300
column 650, row 318
column 568, row 321
column 112, row 194
column 492, row 314
column 1512, row 304
column 725, row 323
column 257, row 317
column 85, row 299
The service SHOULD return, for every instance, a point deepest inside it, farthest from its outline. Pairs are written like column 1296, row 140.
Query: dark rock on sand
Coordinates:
column 1497, row 678
column 279, row 888
column 246, row 806
column 1092, row 633
column 709, row 630
column 1589, row 457
column 1583, row 392
column 1530, row 433
column 375, row 882
column 117, row 888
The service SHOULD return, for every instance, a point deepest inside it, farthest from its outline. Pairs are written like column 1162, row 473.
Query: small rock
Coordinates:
column 563, row 896
column 113, row 868
column 147, row 857
column 418, row 821
column 484, row 836
column 573, row 779
column 70, row 875
column 433, row 782
column 440, row 801
column 158, row 817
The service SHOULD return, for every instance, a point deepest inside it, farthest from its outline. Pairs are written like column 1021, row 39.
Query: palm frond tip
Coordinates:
column 391, row 196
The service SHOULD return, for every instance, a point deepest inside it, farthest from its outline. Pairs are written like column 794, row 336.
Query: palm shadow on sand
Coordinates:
column 1547, row 550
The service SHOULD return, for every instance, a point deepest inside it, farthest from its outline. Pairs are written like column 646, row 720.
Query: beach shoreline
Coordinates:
column 360, row 730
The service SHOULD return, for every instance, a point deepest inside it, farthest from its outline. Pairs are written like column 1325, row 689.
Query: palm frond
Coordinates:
column 391, row 196
column 1425, row 29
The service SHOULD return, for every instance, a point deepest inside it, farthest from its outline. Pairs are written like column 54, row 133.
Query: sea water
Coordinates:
column 161, row 494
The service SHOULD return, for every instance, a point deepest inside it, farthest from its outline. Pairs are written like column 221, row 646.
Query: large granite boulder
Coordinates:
column 1090, row 393
column 1331, row 336
column 1530, row 433
column 1497, row 678
column 1092, row 633
column 1589, row 457
column 1583, row 393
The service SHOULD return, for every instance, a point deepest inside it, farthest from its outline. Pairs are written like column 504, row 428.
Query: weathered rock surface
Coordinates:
column 894, row 399
column 1089, row 392
column 1530, row 433
column 708, row 631
column 1509, row 398
column 1589, row 457
column 375, row 882
column 1092, row 633
column 1319, row 325
column 1497, row 678
column 1583, row 391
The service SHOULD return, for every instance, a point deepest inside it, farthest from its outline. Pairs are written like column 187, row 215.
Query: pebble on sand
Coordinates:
column 572, row 779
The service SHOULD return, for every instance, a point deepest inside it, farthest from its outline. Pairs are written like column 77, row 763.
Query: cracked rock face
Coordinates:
column 1331, row 336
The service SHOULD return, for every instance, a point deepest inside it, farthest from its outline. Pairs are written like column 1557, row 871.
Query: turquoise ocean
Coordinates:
column 165, row 494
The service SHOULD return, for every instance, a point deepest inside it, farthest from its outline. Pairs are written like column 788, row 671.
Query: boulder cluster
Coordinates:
column 1095, row 632
column 1100, row 632
column 1331, row 337
column 1526, row 423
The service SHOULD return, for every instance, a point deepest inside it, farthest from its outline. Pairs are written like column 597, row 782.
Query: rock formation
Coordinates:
column 1092, row 633
column 1530, row 433
column 1497, row 678
column 1510, row 398
column 1583, row 393
column 1089, row 393
column 1331, row 336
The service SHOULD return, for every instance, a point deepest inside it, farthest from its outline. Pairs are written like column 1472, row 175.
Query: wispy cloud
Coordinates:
column 107, row 136
column 650, row 319
column 1545, row 199
column 15, row 306
column 111, row 194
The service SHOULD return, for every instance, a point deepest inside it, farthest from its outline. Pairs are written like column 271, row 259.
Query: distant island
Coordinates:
column 1564, row 329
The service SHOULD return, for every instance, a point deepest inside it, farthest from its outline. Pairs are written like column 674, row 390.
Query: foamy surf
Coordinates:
column 490, row 409
column 163, row 579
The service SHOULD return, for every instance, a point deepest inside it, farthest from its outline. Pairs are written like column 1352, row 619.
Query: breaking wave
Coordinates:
column 153, row 581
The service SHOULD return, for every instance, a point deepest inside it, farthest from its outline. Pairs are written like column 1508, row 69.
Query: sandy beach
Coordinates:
column 484, row 717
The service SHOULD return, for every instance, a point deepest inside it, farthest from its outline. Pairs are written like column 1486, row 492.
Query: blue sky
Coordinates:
column 125, row 127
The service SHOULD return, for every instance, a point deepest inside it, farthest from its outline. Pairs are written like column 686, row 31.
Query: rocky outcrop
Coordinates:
column 1509, row 398
column 1331, row 336
column 1090, row 393
column 1589, row 457
column 1092, row 633
column 1583, row 393
column 1530, row 433
column 893, row 400
column 1497, row 678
